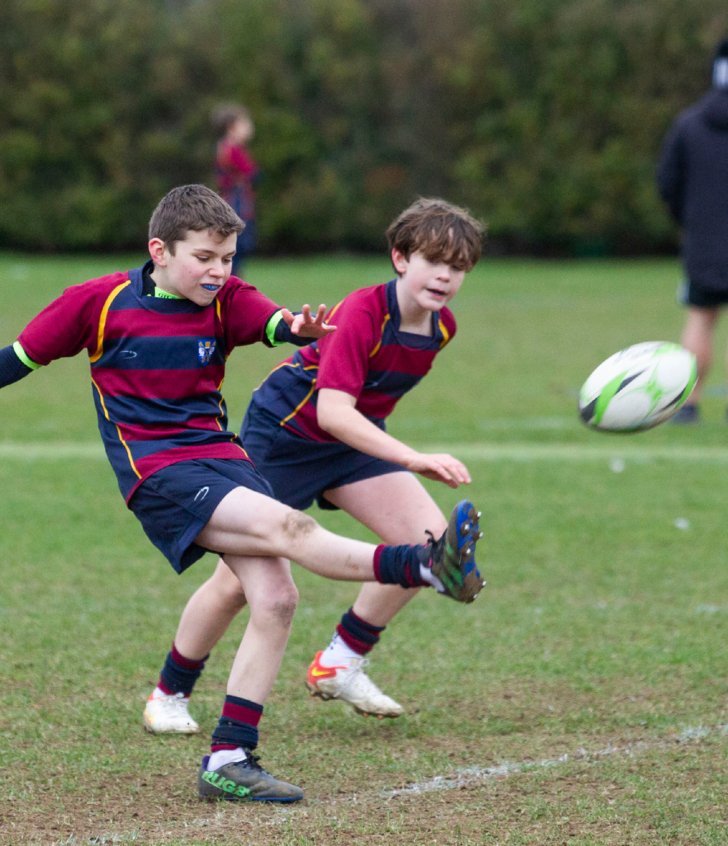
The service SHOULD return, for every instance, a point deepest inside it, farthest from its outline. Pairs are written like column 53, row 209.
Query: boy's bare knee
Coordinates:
column 285, row 608
column 298, row 525
column 279, row 607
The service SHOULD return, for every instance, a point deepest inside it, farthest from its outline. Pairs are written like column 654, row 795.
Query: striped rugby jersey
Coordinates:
column 157, row 366
column 367, row 357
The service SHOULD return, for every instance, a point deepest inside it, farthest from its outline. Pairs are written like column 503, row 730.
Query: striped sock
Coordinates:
column 400, row 565
column 358, row 634
column 179, row 674
column 238, row 724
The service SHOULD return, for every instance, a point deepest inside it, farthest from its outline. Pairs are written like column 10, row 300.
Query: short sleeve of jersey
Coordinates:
column 71, row 322
column 245, row 313
column 344, row 355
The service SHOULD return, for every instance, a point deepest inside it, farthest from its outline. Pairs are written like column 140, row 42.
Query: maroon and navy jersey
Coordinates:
column 157, row 366
column 368, row 357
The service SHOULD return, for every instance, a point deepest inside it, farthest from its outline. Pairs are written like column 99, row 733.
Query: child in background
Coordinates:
column 316, row 430
column 236, row 174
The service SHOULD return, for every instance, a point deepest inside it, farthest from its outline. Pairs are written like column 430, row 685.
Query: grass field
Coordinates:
column 582, row 698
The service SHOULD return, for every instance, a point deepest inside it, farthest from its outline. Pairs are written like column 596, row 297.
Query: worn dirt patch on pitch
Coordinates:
column 597, row 798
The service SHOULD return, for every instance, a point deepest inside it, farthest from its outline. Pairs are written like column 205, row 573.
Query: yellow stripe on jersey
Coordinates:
column 102, row 321
column 445, row 333
column 300, row 404
column 381, row 335
column 118, row 431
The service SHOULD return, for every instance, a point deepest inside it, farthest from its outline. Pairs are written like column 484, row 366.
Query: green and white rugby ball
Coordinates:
column 638, row 387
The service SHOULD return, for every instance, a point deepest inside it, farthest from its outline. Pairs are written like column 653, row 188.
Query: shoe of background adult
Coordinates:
column 689, row 413
column 352, row 685
column 451, row 558
column 244, row 781
column 169, row 714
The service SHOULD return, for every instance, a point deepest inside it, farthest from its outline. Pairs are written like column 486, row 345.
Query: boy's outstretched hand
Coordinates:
column 306, row 324
column 440, row 467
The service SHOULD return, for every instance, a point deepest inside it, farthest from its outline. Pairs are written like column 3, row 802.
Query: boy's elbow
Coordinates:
column 330, row 420
column 324, row 421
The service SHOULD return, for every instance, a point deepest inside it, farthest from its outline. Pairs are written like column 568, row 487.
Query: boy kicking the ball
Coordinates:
column 157, row 338
column 316, row 429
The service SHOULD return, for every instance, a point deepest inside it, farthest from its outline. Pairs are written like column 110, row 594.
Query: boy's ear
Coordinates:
column 399, row 261
column 158, row 251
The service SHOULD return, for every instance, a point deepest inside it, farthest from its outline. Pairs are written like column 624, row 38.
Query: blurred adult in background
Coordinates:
column 692, row 177
column 236, row 173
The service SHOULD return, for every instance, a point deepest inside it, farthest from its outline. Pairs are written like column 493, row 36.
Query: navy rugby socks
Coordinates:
column 400, row 565
column 238, row 725
column 179, row 674
column 359, row 635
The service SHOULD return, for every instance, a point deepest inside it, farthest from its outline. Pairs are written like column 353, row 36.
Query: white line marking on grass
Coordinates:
column 50, row 450
column 710, row 608
column 527, row 452
column 471, row 776
column 529, row 424
column 485, row 451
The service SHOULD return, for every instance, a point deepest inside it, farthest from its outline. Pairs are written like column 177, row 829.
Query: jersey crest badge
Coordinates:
column 205, row 350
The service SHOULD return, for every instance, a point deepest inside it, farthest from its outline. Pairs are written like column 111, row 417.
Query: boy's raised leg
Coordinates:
column 248, row 523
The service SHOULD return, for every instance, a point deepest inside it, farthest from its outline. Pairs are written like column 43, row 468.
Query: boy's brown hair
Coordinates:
column 192, row 207
column 439, row 230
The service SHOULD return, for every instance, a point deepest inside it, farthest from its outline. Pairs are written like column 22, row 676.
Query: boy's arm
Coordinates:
column 337, row 415
column 300, row 328
column 13, row 367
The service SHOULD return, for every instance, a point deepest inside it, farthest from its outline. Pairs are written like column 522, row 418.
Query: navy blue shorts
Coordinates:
column 175, row 504
column 300, row 470
column 691, row 294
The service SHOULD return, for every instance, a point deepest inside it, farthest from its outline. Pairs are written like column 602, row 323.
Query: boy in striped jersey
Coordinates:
column 315, row 428
column 157, row 338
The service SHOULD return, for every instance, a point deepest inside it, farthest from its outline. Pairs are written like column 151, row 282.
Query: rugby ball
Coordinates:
column 638, row 387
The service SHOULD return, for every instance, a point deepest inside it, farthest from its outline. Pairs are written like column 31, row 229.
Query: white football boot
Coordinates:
column 351, row 684
column 168, row 714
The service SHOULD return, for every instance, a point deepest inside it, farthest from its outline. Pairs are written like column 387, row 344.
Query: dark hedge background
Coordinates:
column 544, row 117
